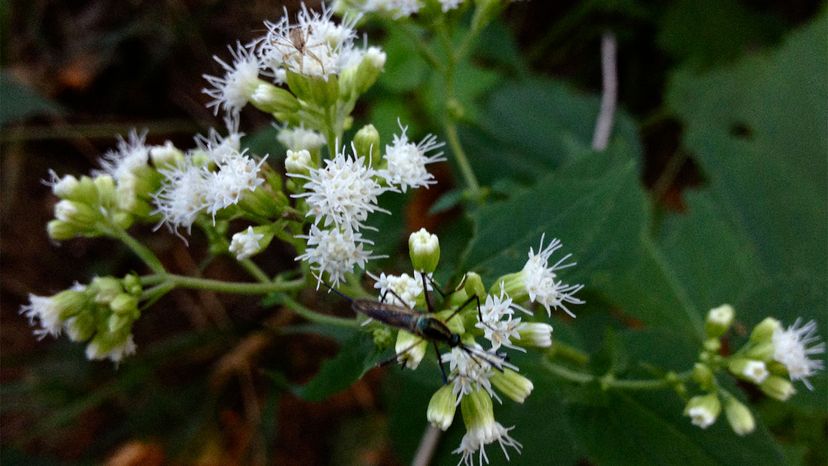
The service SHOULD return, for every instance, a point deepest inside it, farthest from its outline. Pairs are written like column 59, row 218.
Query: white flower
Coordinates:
column 343, row 192
column 407, row 161
column 236, row 174
column 468, row 371
column 448, row 5
column 299, row 138
column 395, row 8
column 232, row 91
column 499, row 324
column 540, row 279
column 183, row 195
column 47, row 312
column 312, row 46
column 131, row 155
column 791, row 348
column 481, row 430
column 395, row 287
column 95, row 350
column 245, row 244
column 61, row 186
column 755, row 371
column 218, row 147
column 702, row 416
column 335, row 252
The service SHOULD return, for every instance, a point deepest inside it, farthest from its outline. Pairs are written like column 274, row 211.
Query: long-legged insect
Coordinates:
column 298, row 42
column 425, row 326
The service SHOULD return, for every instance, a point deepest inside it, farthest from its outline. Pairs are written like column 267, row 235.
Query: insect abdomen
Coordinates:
column 389, row 314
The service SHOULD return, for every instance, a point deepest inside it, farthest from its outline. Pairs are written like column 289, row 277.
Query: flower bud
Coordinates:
column 410, row 348
column 81, row 216
column 105, row 186
column 763, row 332
column 271, row 99
column 703, row 410
column 116, row 323
column 382, row 337
column 367, row 143
column 719, row 320
column 80, row 327
column 424, row 250
column 111, row 346
column 64, row 187
column 762, row 351
column 536, row 334
column 513, row 284
column 749, row 369
column 105, row 289
column 61, row 231
column 477, row 410
column 777, row 387
column 512, row 384
column 739, row 417
column 473, row 285
column 300, row 138
column 124, row 304
column 703, row 376
column 441, row 408
column 369, row 69
column 251, row 242
column 132, row 284
column 298, row 162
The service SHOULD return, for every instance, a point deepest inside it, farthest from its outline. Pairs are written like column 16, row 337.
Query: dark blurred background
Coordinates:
column 75, row 74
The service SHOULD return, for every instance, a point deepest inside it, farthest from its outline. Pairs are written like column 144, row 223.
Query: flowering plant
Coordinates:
column 488, row 307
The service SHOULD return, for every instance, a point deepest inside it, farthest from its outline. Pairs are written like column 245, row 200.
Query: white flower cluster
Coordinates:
column 542, row 283
column 206, row 180
column 793, row 346
column 406, row 162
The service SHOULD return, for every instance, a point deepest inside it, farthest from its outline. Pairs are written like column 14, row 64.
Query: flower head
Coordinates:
column 131, row 154
column 183, row 195
column 499, row 324
column 471, row 369
column 218, row 147
column 335, row 252
column 407, row 161
column 794, row 345
column 448, row 5
column 233, row 90
column 541, row 282
column 236, row 174
column 298, row 138
column 392, row 288
column 481, row 430
column 312, row 46
column 343, row 192
column 246, row 244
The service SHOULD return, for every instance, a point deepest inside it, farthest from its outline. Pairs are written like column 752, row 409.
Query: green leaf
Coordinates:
column 758, row 130
column 354, row 359
column 20, row 101
column 530, row 127
column 650, row 429
column 404, row 69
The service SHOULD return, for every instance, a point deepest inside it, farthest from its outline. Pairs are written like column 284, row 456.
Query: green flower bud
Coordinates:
column 123, row 220
column 763, row 332
column 84, row 191
column 369, row 69
column 535, row 334
column 512, row 384
column 473, row 285
column 778, row 388
column 382, row 337
column 105, row 289
column 703, row 376
column 477, row 410
column 367, row 143
column 455, row 325
column 719, row 320
column 132, row 284
column 117, row 323
column 61, row 231
column 441, row 408
column 712, row 345
column 424, row 250
column 271, row 99
column 105, row 186
column 124, row 304
column 81, row 216
column 739, row 417
column 703, row 410
column 749, row 369
column 411, row 349
column 762, row 351
column 514, row 286
column 80, row 327
column 111, row 346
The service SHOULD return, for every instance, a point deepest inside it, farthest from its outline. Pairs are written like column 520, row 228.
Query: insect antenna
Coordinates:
column 341, row 294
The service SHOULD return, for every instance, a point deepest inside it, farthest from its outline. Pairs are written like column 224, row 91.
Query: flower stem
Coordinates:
column 183, row 281
column 254, row 270
column 317, row 317
column 144, row 253
column 462, row 160
column 610, row 382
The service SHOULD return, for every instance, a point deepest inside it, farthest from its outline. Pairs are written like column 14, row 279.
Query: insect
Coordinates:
column 424, row 325
column 299, row 47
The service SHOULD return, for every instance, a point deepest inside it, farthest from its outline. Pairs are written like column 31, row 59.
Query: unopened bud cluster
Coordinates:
column 772, row 359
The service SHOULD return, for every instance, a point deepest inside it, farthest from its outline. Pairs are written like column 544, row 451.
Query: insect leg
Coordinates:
column 425, row 293
column 440, row 362
column 463, row 306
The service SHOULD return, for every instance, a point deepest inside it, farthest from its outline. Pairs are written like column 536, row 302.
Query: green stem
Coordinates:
column 609, row 382
column 462, row 159
column 415, row 39
column 139, row 250
column 254, row 270
column 182, row 281
column 568, row 352
column 317, row 317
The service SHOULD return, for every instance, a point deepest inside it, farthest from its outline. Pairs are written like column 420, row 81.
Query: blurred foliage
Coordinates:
column 748, row 88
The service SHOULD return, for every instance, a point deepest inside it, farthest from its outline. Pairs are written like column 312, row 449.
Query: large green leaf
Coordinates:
column 758, row 129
